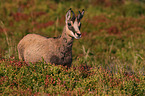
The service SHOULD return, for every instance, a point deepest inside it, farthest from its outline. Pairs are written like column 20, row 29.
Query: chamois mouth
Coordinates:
column 77, row 35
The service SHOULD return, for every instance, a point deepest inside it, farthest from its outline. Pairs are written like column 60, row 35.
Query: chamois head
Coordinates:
column 73, row 23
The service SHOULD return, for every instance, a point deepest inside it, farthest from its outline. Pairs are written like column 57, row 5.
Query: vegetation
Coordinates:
column 109, row 59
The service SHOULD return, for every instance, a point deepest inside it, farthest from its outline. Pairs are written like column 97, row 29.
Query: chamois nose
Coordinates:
column 79, row 34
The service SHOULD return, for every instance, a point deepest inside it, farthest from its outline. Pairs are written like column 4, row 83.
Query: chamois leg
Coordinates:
column 20, row 58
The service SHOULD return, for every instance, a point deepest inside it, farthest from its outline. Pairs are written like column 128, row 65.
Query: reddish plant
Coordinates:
column 20, row 16
column 96, row 20
column 44, row 25
column 37, row 14
column 113, row 30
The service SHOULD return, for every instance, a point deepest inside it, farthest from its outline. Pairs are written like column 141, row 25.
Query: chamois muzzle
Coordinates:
column 77, row 35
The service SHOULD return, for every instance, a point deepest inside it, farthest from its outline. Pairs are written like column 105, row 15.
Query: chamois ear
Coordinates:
column 81, row 14
column 68, row 15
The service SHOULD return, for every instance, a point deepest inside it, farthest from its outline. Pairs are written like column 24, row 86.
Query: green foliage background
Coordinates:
column 109, row 59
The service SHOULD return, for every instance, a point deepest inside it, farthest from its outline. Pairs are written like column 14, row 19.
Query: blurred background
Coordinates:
column 113, row 31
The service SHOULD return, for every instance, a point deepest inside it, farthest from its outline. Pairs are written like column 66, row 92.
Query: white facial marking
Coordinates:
column 76, row 26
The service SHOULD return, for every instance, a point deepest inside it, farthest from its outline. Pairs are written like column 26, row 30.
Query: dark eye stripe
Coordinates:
column 71, row 28
column 69, row 24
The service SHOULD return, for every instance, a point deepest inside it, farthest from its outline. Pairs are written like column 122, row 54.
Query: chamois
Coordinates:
column 58, row 50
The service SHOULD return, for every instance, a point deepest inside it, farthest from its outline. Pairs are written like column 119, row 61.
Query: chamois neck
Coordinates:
column 65, row 38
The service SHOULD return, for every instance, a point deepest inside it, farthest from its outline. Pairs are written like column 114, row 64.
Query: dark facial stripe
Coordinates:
column 71, row 28
column 79, row 26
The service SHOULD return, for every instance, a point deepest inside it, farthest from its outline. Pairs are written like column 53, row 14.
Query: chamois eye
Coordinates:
column 69, row 24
